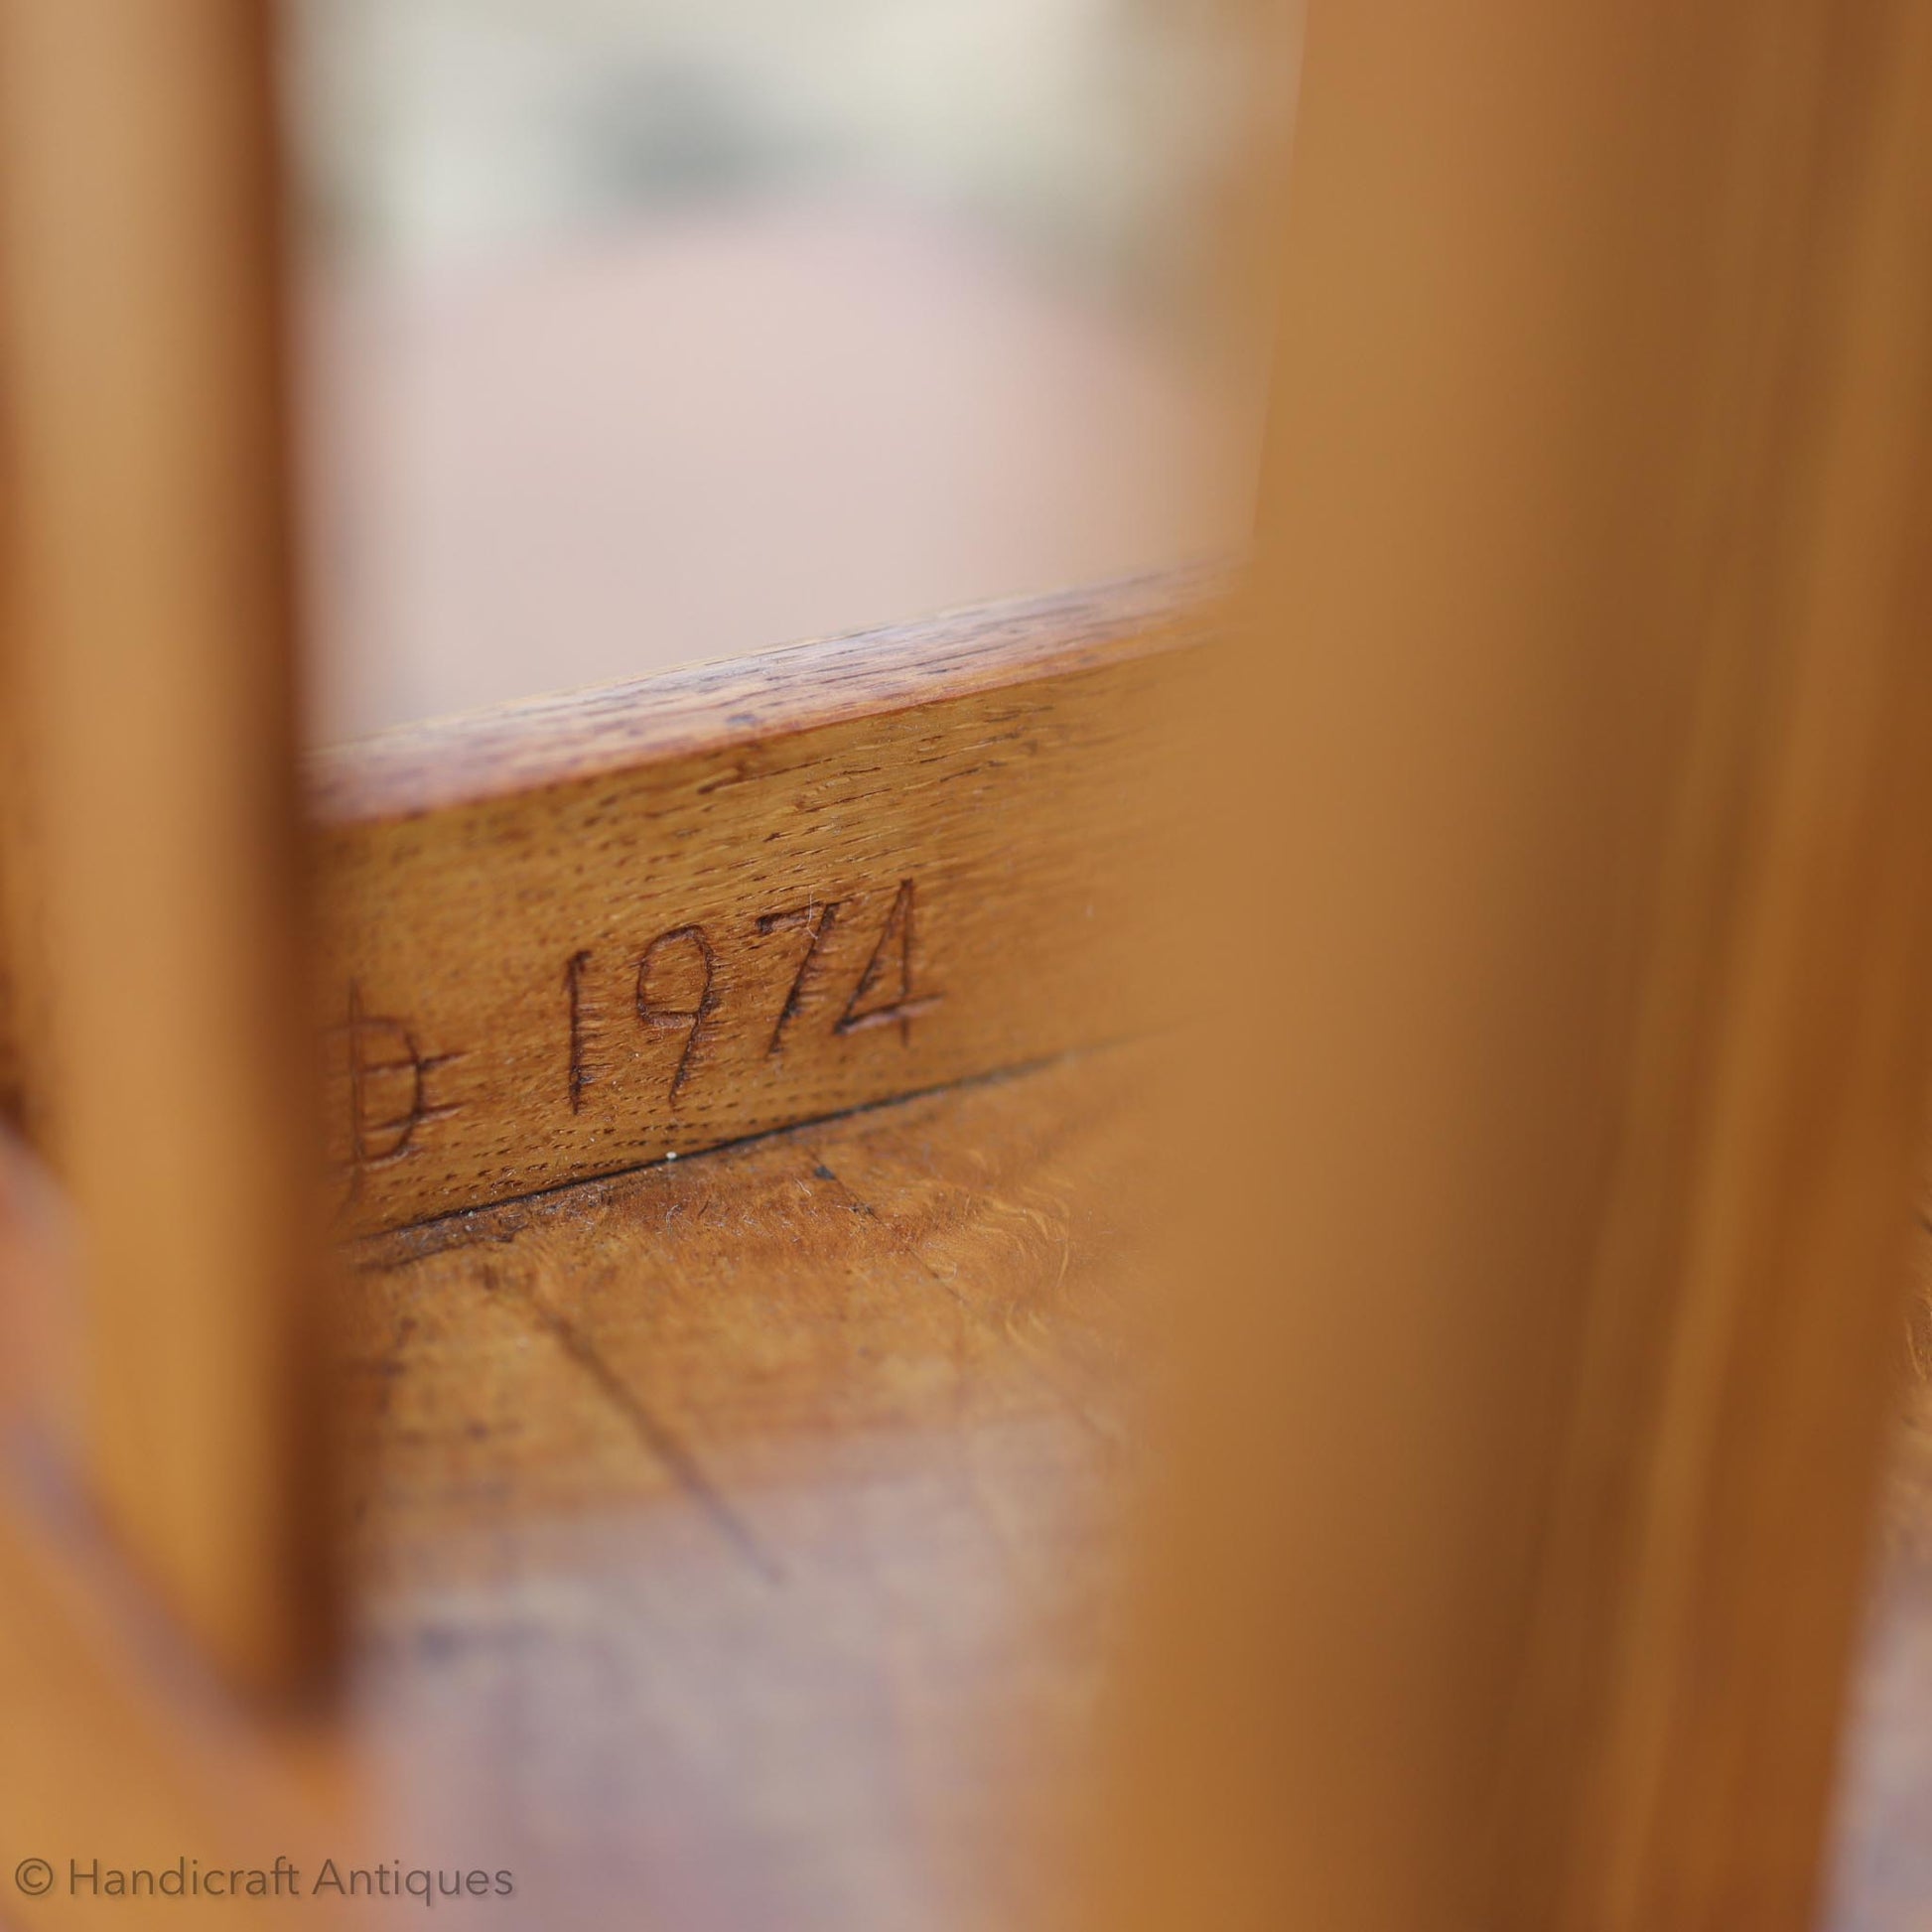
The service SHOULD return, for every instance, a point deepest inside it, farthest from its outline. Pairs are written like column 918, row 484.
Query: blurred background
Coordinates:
column 639, row 331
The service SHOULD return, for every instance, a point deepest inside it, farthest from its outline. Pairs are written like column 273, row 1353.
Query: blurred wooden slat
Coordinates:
column 148, row 616
column 120, row 1754
column 1577, row 940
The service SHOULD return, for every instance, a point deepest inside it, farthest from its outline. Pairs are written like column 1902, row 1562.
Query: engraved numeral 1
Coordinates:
column 580, row 1066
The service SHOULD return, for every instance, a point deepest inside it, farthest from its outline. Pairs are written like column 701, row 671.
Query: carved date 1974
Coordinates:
column 676, row 975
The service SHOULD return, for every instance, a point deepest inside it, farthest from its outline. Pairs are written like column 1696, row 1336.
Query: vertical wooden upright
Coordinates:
column 148, row 609
column 1565, row 1088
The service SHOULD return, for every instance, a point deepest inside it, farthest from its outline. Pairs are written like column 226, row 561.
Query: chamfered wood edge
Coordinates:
column 534, row 744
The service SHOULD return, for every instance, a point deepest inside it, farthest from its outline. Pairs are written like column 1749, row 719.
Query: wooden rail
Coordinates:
column 586, row 932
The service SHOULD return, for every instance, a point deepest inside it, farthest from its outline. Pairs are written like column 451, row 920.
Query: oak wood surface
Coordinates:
column 734, row 1545
column 551, row 1407
column 597, row 929
column 156, row 996
column 737, row 1537
column 740, row 1543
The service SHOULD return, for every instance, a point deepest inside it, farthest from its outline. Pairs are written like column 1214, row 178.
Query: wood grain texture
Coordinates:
column 597, row 930
column 147, row 611
column 737, row 1539
column 735, row 1546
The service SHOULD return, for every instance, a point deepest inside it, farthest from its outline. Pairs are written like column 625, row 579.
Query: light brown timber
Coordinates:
column 120, row 1753
column 589, row 931
column 1579, row 972
column 147, row 659
column 738, row 1538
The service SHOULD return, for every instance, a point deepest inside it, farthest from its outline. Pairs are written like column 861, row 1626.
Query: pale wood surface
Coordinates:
column 121, row 1751
column 1574, row 937
column 147, row 606
column 591, row 931
column 737, row 1537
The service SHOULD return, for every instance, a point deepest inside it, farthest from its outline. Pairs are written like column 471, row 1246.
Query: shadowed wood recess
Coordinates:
column 589, row 931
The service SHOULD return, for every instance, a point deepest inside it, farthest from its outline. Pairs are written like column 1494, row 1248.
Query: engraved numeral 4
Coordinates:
column 884, row 996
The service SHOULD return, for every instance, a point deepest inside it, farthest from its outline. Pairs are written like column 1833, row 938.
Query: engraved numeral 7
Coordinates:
column 818, row 921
